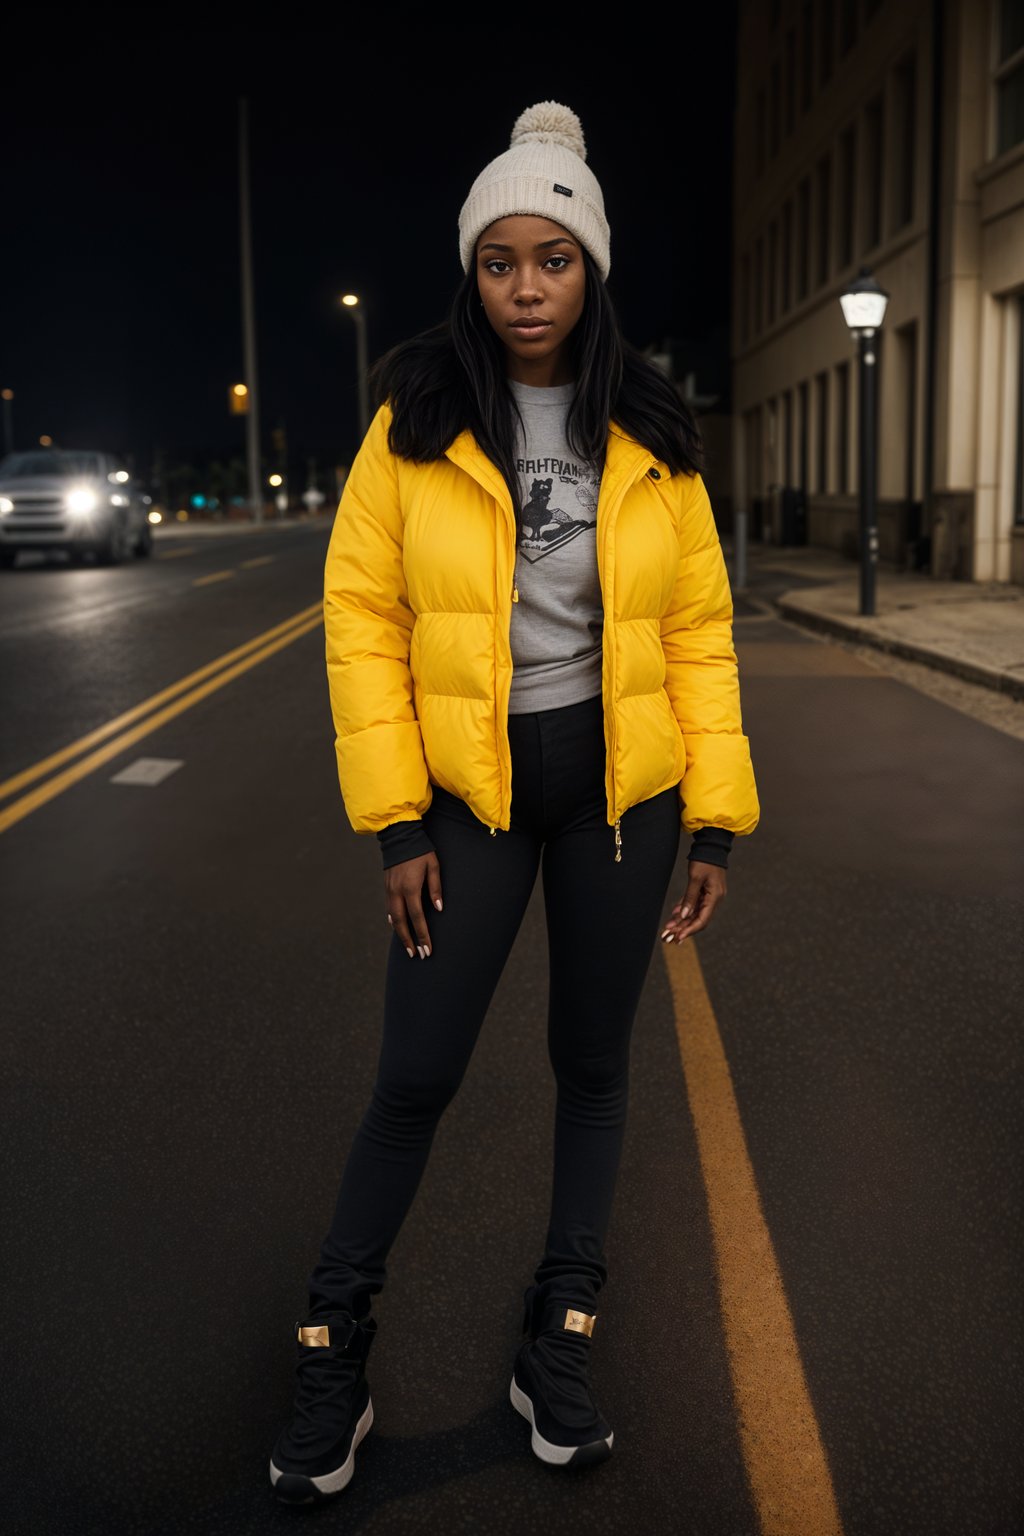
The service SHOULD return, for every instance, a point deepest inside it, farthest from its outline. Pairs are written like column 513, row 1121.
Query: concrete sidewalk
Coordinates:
column 204, row 528
column 974, row 630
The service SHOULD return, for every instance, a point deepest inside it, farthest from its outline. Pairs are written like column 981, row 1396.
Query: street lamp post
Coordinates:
column 354, row 306
column 8, row 398
column 863, row 303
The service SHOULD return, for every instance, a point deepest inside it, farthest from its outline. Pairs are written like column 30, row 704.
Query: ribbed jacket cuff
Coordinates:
column 403, row 840
column 711, row 845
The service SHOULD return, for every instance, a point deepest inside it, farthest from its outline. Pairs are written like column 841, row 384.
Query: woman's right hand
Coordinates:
column 403, row 886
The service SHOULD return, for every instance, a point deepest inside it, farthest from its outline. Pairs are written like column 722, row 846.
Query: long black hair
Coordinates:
column 453, row 376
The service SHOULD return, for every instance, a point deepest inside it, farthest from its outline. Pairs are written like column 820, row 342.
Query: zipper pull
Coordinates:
column 618, row 841
column 515, row 593
column 494, row 831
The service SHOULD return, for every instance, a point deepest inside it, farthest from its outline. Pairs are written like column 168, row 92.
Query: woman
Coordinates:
column 530, row 660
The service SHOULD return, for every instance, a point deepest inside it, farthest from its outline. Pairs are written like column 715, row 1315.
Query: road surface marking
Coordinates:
column 148, row 771
column 75, row 748
column 175, row 554
column 206, row 581
column 18, row 809
column 786, row 1463
column 248, row 565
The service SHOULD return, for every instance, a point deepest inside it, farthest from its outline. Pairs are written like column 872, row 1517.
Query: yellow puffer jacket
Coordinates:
column 418, row 588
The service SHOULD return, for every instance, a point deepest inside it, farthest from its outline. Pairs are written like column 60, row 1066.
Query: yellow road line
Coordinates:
column 18, row 809
column 785, row 1459
column 205, row 581
column 75, row 748
column 249, row 565
column 175, row 554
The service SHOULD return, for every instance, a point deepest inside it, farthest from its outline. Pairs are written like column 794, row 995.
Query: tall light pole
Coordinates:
column 352, row 303
column 863, row 303
column 252, row 423
column 8, row 399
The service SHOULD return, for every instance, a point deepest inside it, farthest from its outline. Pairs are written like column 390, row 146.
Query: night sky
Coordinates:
column 120, row 282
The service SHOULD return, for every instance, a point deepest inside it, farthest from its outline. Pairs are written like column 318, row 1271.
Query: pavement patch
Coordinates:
column 148, row 771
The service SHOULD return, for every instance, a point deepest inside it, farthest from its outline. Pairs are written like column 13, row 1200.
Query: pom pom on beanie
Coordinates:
column 543, row 172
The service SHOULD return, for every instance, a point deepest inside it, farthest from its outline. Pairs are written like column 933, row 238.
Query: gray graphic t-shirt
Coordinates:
column 558, row 622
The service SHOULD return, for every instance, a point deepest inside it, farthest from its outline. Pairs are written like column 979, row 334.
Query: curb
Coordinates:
column 970, row 671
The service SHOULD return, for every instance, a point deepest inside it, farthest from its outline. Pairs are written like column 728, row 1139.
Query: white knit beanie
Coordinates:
column 544, row 173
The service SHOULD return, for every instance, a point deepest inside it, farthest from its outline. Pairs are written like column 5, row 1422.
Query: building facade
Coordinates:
column 887, row 134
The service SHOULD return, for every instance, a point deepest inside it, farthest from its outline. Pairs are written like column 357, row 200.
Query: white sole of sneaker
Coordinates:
column 556, row 1455
column 328, row 1482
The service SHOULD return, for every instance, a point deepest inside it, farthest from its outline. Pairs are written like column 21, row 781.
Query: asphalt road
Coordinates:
column 192, row 978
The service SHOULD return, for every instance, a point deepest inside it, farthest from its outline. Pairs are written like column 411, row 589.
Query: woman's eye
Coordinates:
column 495, row 262
column 563, row 259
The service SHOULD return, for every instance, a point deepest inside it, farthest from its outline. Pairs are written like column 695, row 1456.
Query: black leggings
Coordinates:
column 603, row 922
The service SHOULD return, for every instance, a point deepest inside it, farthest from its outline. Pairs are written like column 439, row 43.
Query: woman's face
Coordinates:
column 532, row 280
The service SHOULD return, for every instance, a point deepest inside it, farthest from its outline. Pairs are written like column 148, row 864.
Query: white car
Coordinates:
column 79, row 501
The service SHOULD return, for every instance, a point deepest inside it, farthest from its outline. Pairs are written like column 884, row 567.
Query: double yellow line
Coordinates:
column 120, row 733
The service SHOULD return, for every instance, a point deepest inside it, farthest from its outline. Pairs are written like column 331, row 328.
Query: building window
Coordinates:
column 1018, row 488
column 760, row 123
column 1009, row 76
column 803, row 425
column 806, row 55
column 826, row 40
column 803, row 236
column 790, row 78
column 846, row 201
column 773, row 266
column 843, row 428
column 744, row 300
column 904, row 120
column 758, row 285
column 874, row 169
column 824, row 243
column 821, row 434
column 774, row 107
column 847, row 26
column 787, row 255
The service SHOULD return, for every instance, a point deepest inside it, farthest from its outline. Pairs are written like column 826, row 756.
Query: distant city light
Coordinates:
column 156, row 517
column 239, row 389
column 7, row 394
column 46, row 442
column 350, row 299
column 121, row 476
column 276, row 480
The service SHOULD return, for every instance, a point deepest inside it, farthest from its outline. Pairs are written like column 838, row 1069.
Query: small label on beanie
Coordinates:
column 565, row 191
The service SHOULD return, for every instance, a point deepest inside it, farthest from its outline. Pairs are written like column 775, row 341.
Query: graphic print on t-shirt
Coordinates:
column 559, row 503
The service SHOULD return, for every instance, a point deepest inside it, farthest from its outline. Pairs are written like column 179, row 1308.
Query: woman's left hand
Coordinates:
column 706, row 888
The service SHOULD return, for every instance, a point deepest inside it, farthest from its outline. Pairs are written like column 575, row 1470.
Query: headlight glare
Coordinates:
column 81, row 499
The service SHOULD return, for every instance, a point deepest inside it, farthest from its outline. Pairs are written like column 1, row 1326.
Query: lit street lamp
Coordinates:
column 863, row 303
column 352, row 304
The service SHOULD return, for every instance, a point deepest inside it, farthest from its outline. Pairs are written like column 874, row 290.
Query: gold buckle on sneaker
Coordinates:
column 579, row 1322
column 318, row 1336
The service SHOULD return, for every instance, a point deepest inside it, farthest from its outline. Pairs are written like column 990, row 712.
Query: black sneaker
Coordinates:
column 551, row 1386
column 314, row 1457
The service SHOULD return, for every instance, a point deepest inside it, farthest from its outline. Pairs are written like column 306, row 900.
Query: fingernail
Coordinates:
column 409, row 952
column 437, row 903
column 426, row 951
column 685, row 912
column 666, row 933
column 419, row 950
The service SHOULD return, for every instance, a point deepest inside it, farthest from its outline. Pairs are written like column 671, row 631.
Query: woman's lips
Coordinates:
column 531, row 329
